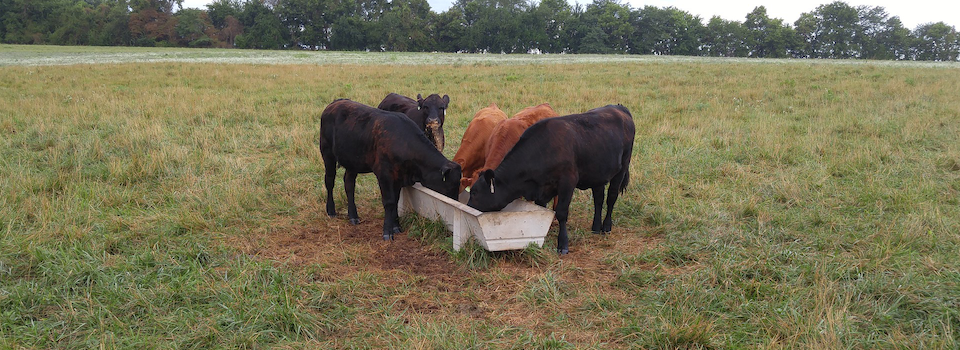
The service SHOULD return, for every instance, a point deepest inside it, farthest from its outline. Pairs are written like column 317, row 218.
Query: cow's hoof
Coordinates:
column 397, row 230
column 600, row 232
column 354, row 221
column 563, row 251
column 388, row 237
column 332, row 214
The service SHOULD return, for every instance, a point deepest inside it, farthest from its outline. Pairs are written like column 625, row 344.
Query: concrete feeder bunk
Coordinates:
column 516, row 226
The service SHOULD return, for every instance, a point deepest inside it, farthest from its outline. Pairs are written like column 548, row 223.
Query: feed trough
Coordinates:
column 516, row 226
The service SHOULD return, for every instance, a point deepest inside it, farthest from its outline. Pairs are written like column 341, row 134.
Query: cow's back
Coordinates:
column 357, row 134
column 596, row 144
column 506, row 134
column 533, row 114
column 473, row 146
column 398, row 103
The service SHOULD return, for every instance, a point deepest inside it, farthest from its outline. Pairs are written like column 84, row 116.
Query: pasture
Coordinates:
column 772, row 204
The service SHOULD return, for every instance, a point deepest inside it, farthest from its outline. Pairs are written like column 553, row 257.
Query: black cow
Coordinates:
column 556, row 155
column 363, row 139
column 428, row 113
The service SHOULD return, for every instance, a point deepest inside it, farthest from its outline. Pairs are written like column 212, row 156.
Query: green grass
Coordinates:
column 772, row 204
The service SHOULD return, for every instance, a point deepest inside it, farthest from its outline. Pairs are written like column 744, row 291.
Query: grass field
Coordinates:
column 773, row 204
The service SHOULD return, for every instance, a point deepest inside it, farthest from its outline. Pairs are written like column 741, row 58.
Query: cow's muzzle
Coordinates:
column 435, row 134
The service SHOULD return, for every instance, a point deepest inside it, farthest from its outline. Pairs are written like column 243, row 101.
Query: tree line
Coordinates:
column 835, row 30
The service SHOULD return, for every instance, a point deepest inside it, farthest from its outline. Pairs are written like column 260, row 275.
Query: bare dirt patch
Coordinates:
column 333, row 242
column 424, row 282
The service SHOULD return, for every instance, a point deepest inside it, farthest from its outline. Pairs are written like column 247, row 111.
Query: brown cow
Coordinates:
column 473, row 146
column 589, row 150
column 506, row 134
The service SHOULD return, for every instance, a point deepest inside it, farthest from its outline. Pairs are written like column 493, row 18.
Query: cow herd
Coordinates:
column 536, row 155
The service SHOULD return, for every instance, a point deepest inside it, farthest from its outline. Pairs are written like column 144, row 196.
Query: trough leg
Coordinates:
column 597, row 209
column 350, row 186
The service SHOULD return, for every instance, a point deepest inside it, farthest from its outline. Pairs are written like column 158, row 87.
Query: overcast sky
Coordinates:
column 911, row 13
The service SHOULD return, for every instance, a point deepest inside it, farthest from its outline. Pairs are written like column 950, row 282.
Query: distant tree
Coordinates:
column 936, row 42
column 407, row 26
column 229, row 33
column 830, row 31
column 193, row 27
column 880, row 36
column 74, row 23
column 348, row 33
column 28, row 21
column 5, row 8
column 575, row 29
column 613, row 19
column 550, row 21
column 152, row 22
column 449, row 30
column 219, row 10
column 111, row 24
column 667, row 31
column 595, row 41
column 768, row 37
column 893, row 41
column 310, row 22
column 492, row 25
column 262, row 28
column 723, row 38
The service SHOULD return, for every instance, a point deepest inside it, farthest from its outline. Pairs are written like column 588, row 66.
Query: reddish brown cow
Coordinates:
column 473, row 146
column 506, row 134
column 589, row 150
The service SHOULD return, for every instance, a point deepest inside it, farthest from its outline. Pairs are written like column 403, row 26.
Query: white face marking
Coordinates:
column 491, row 187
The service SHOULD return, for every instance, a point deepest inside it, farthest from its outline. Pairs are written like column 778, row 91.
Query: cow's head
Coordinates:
column 434, row 109
column 446, row 181
column 489, row 193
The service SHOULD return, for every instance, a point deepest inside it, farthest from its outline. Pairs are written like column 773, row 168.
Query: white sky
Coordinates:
column 911, row 13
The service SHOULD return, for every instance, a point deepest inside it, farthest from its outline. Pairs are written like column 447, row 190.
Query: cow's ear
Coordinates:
column 445, row 170
column 488, row 176
column 446, row 100
column 419, row 100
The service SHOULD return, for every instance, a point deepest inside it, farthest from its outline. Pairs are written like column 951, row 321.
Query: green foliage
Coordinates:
column 835, row 30
column 667, row 31
column 724, row 38
column 936, row 42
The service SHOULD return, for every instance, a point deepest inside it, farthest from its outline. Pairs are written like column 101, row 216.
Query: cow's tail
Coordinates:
column 625, row 181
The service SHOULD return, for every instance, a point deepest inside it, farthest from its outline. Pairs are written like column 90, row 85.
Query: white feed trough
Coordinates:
column 516, row 226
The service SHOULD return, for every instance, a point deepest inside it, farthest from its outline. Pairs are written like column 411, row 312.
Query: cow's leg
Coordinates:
column 390, row 196
column 350, row 186
column 616, row 185
column 329, row 180
column 564, row 198
column 597, row 209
